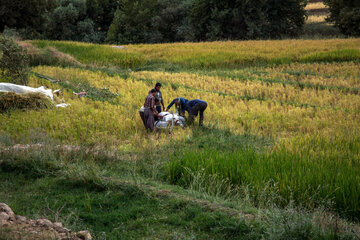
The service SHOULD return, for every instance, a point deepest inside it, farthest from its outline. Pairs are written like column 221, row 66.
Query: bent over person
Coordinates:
column 180, row 104
column 194, row 107
column 149, row 110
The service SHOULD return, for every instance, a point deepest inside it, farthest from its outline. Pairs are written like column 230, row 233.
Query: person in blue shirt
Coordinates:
column 194, row 107
column 180, row 104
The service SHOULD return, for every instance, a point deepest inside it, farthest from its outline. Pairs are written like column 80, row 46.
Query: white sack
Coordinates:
column 169, row 120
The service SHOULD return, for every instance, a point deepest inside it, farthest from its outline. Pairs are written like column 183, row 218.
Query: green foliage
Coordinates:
column 171, row 21
column 153, row 21
column 204, row 20
column 133, row 22
column 216, row 20
column 13, row 62
column 69, row 187
column 285, row 17
column 346, row 15
column 101, row 12
column 29, row 15
column 302, row 175
column 69, row 22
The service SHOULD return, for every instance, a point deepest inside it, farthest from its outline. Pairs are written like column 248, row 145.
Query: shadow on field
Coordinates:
column 72, row 187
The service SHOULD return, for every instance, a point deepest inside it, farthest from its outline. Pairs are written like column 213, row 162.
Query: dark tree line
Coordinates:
column 204, row 20
column 153, row 21
column 79, row 20
column 346, row 15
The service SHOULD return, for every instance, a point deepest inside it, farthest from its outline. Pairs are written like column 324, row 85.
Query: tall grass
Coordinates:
column 202, row 55
column 69, row 186
column 101, row 55
column 311, row 171
column 310, row 110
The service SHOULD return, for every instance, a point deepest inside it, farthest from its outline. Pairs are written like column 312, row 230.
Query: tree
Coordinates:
column 217, row 20
column 101, row 12
column 171, row 20
column 14, row 62
column 245, row 19
column 346, row 15
column 29, row 14
column 69, row 21
column 285, row 17
column 133, row 23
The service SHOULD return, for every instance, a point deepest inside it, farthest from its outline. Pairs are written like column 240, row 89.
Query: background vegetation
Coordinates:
column 280, row 140
column 154, row 21
column 278, row 157
column 345, row 15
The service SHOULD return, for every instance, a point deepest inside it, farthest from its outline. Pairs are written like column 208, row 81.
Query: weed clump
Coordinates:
column 12, row 101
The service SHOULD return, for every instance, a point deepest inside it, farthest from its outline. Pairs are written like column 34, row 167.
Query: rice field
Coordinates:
column 301, row 96
column 315, row 5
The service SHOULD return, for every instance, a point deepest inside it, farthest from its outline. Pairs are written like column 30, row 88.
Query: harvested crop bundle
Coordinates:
column 11, row 101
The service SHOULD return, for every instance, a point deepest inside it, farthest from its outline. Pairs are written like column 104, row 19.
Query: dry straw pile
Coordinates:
column 11, row 101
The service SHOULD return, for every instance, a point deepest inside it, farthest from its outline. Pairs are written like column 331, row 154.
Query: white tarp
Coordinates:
column 9, row 87
column 169, row 120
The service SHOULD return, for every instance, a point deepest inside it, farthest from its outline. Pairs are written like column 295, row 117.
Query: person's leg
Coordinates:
column 202, row 107
column 142, row 116
column 193, row 113
column 150, row 119
column 146, row 117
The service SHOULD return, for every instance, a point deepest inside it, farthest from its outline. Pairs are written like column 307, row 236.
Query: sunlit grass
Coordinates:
column 303, row 95
column 200, row 55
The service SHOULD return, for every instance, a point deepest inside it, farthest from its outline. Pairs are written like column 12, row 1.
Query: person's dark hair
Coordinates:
column 153, row 90
column 158, row 84
column 156, row 100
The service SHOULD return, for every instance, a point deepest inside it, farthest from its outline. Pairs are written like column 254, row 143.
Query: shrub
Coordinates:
column 14, row 62
column 346, row 15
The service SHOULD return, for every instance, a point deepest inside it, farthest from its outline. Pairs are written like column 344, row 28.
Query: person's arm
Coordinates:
column 170, row 105
column 162, row 103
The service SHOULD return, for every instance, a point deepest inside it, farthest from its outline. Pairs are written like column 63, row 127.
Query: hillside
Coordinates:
column 278, row 156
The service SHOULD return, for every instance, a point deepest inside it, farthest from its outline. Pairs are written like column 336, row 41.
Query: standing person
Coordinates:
column 142, row 112
column 159, row 96
column 150, row 110
column 180, row 104
column 161, row 101
column 194, row 107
